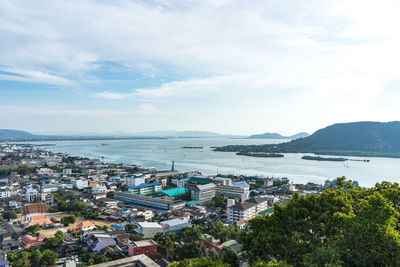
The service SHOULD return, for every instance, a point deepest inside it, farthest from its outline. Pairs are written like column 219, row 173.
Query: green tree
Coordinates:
column 67, row 220
column 343, row 226
column 8, row 215
column 229, row 256
column 49, row 257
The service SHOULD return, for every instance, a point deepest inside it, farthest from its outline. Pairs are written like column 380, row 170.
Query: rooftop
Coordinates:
column 144, row 185
column 149, row 224
column 172, row 192
column 143, row 243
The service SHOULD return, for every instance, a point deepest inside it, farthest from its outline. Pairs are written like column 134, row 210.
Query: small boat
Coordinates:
column 105, row 144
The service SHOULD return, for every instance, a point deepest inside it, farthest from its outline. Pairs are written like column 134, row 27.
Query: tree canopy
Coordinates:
column 344, row 226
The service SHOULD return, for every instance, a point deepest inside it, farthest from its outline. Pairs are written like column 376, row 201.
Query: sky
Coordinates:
column 232, row 67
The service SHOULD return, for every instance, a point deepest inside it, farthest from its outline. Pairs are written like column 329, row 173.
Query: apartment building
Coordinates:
column 245, row 210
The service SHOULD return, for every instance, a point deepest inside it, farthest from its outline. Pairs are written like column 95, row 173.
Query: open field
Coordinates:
column 51, row 231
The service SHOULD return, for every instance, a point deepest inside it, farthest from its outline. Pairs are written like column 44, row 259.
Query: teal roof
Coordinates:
column 198, row 180
column 193, row 202
column 267, row 211
column 172, row 192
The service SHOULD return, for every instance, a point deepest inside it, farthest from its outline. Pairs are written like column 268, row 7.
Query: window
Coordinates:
column 147, row 251
column 137, row 252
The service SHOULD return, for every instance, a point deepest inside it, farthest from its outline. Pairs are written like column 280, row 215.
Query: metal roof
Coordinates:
column 143, row 185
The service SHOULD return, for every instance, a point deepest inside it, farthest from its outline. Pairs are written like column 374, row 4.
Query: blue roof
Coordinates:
column 143, row 185
column 241, row 184
column 117, row 226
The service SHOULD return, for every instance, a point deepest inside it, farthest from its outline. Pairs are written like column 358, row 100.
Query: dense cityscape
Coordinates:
column 79, row 211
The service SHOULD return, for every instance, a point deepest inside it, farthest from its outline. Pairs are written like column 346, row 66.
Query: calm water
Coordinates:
column 160, row 153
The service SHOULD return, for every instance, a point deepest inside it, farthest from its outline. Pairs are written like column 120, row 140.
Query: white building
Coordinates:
column 245, row 210
column 79, row 183
column 67, row 171
column 134, row 180
column 98, row 190
column 174, row 225
column 235, row 190
column 45, row 171
column 5, row 192
column 203, row 193
column 31, row 194
column 148, row 229
column 49, row 188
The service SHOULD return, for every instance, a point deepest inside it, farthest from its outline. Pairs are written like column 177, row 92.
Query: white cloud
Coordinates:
column 247, row 61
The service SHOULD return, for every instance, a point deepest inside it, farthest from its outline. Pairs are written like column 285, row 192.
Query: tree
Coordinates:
column 49, row 257
column 67, row 220
column 110, row 194
column 32, row 230
column 229, row 256
column 202, row 262
column 8, row 215
column 343, row 226
column 213, row 254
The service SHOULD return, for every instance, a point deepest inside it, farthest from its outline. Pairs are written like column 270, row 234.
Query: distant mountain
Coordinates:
column 7, row 134
column 277, row 136
column 356, row 138
column 178, row 134
column 15, row 135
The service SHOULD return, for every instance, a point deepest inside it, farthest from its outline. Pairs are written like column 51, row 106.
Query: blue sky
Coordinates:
column 234, row 67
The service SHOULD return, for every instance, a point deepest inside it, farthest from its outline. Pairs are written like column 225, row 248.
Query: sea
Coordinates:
column 160, row 153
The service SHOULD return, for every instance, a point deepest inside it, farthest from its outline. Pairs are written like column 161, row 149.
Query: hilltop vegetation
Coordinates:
column 346, row 226
column 347, row 139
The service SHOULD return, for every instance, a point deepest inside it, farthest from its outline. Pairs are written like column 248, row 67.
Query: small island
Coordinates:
column 318, row 158
column 192, row 147
column 260, row 155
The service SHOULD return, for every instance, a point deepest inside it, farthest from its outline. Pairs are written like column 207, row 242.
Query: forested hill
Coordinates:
column 6, row 134
column 356, row 138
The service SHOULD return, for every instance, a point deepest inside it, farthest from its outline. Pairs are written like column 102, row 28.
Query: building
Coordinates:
column 203, row 192
column 99, row 241
column 85, row 226
column 148, row 229
column 49, row 188
column 134, row 261
column 29, row 241
column 31, row 194
column 146, row 247
column 134, row 180
column 222, row 181
column 151, row 202
column 47, row 198
column 45, row 171
column 174, row 225
column 79, row 183
column 5, row 192
column 236, row 190
column 32, row 214
column 245, row 210
column 145, row 189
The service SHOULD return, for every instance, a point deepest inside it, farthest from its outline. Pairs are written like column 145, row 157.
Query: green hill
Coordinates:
column 7, row 134
column 356, row 138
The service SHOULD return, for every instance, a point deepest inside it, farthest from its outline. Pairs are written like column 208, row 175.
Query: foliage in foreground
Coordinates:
column 345, row 226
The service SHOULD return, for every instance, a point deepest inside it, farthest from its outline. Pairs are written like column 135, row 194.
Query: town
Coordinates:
column 61, row 210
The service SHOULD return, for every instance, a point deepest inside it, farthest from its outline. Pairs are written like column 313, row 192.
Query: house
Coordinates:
column 85, row 226
column 147, row 247
column 29, row 241
column 99, row 241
